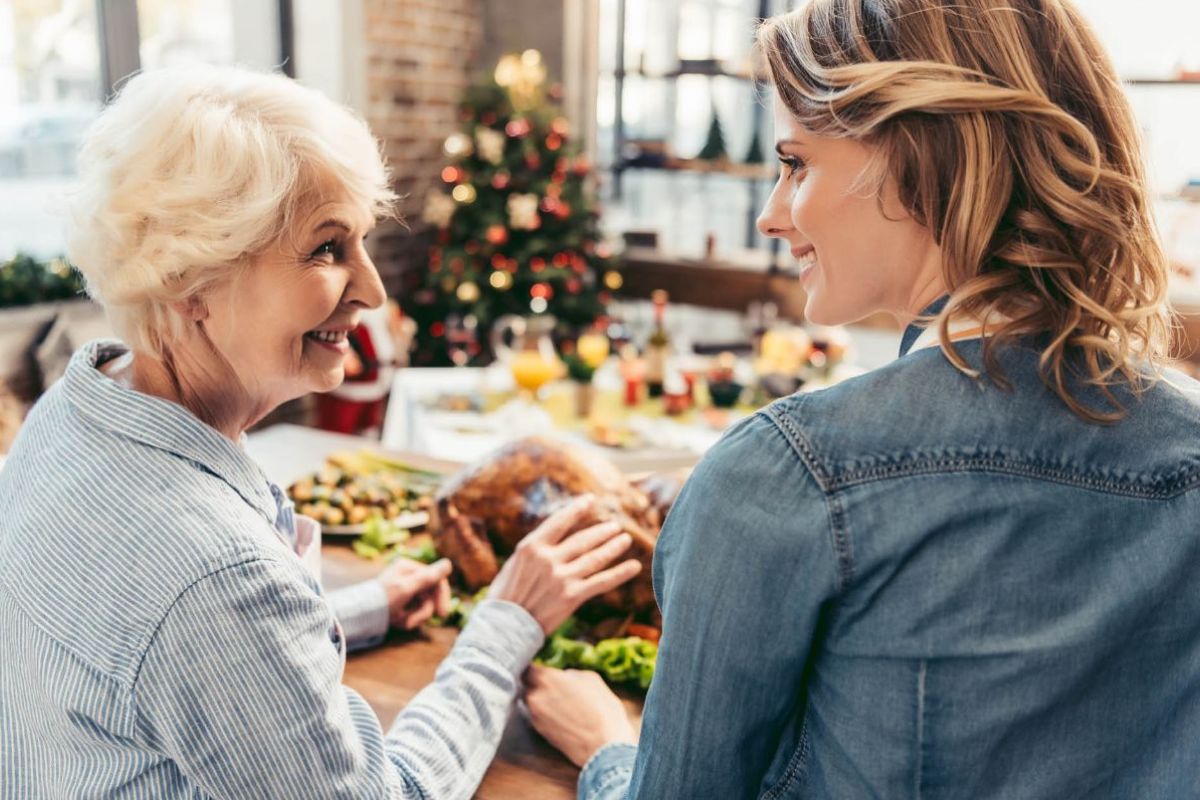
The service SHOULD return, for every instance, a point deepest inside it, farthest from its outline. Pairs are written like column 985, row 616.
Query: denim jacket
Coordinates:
column 920, row 585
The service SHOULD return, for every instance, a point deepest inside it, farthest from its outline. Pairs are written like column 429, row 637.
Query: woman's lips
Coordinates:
column 806, row 261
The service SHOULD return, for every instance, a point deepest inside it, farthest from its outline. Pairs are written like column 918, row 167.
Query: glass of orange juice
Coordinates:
column 531, row 356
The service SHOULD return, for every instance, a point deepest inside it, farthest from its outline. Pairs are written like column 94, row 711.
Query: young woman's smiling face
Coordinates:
column 282, row 323
column 859, row 253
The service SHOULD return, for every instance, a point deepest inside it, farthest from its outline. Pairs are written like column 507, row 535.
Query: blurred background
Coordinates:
column 580, row 178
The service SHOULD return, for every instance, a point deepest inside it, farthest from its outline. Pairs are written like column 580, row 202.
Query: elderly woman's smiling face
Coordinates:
column 282, row 322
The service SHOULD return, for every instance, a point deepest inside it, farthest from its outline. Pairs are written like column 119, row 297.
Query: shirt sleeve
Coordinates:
column 362, row 609
column 742, row 568
column 241, row 689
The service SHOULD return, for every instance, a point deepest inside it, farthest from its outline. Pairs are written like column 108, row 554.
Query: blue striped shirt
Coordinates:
column 163, row 641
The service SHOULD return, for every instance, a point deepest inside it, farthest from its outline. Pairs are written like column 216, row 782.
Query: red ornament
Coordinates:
column 562, row 210
column 499, row 261
column 512, row 266
column 500, row 180
column 561, row 260
column 496, row 234
column 518, row 127
column 533, row 160
column 437, row 330
column 573, row 286
column 452, row 174
column 537, row 264
column 542, row 290
column 553, row 142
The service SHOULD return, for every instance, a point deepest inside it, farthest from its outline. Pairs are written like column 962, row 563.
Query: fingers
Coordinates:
column 560, row 522
column 610, row 578
column 599, row 558
column 423, row 578
column 442, row 601
column 534, row 675
column 587, row 539
column 417, row 616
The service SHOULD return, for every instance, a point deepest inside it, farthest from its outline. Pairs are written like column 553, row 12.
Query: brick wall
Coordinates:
column 420, row 55
column 419, row 59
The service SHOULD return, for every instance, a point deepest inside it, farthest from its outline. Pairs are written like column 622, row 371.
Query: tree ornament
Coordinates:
column 490, row 144
column 523, row 212
column 468, row 292
column 496, row 234
column 458, row 145
column 439, row 209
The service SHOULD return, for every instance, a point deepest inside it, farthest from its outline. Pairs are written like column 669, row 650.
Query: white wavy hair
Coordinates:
column 192, row 171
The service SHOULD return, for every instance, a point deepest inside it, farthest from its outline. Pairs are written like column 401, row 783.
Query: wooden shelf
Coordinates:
column 732, row 169
column 1161, row 81
column 676, row 74
column 710, row 284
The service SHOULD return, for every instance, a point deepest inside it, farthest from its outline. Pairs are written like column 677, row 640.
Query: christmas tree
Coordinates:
column 517, row 229
column 714, row 146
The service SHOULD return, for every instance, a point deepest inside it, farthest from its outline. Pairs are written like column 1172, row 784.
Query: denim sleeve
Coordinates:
column 241, row 690
column 742, row 567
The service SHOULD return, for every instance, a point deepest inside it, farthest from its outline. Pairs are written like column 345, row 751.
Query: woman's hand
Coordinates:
column 416, row 591
column 550, row 574
column 575, row 711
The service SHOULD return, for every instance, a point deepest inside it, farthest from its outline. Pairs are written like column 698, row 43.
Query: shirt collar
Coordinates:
column 914, row 331
column 163, row 425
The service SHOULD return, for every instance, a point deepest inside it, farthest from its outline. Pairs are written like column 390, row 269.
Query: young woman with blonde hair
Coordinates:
column 970, row 573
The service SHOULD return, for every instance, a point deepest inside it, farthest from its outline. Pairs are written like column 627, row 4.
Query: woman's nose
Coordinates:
column 366, row 289
column 775, row 219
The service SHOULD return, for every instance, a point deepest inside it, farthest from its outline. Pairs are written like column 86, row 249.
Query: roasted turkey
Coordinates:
column 485, row 510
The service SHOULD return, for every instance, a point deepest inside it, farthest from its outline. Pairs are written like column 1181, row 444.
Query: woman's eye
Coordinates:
column 791, row 164
column 326, row 248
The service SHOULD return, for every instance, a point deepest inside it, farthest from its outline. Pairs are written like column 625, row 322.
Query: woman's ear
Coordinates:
column 193, row 309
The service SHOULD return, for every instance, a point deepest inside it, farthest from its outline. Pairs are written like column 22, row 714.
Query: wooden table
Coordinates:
column 387, row 677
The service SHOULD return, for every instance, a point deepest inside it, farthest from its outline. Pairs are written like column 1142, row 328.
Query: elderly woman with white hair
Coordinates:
column 169, row 643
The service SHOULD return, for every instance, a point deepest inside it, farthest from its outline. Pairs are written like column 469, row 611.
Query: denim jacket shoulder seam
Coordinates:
column 839, row 535
column 1162, row 490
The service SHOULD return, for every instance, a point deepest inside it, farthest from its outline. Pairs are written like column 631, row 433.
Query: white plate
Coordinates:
column 408, row 520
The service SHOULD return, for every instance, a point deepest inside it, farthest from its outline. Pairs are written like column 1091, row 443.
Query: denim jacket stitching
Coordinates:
column 1162, row 489
column 842, row 550
column 920, row 695
column 797, row 767
column 612, row 776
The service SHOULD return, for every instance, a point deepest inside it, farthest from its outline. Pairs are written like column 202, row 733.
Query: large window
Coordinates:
column 59, row 60
column 49, row 93
column 668, row 68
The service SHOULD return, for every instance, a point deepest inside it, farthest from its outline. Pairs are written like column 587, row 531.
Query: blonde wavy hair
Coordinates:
column 190, row 172
column 1006, row 130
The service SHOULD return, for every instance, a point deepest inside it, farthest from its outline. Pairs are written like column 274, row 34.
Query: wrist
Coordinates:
column 602, row 738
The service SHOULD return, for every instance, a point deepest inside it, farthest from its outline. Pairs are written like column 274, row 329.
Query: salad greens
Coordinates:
column 628, row 659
